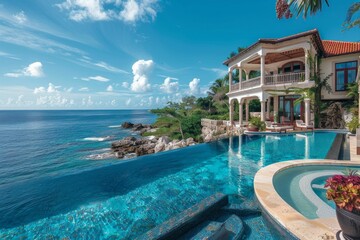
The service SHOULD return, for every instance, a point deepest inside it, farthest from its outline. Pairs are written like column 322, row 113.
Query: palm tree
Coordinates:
column 354, row 8
column 219, row 89
column 285, row 8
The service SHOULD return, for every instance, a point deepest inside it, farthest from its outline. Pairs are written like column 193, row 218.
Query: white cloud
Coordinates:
column 39, row 90
column 68, row 89
column 20, row 17
column 84, row 9
column 96, row 78
column 84, row 89
column 109, row 88
column 128, row 102
column 34, row 69
column 141, row 70
column 102, row 65
column 138, row 10
column 95, row 10
column 168, row 86
column 13, row 75
column 125, row 84
column 108, row 67
column 50, row 89
column 194, row 86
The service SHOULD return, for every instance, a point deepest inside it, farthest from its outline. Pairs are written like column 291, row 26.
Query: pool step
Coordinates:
column 231, row 228
column 242, row 210
column 177, row 226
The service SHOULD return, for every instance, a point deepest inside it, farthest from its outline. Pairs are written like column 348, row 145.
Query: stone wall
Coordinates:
column 216, row 129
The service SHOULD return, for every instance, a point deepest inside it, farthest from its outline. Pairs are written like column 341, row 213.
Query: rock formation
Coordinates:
column 130, row 147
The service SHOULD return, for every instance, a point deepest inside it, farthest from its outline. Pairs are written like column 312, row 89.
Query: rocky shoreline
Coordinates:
column 130, row 147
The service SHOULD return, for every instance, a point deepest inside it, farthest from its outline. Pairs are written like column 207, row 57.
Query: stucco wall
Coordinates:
column 328, row 66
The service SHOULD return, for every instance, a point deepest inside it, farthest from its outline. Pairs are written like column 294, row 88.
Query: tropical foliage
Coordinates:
column 344, row 190
column 256, row 122
column 286, row 8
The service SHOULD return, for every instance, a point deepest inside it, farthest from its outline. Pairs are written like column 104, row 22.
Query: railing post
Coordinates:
column 262, row 69
column 230, row 79
column 240, row 78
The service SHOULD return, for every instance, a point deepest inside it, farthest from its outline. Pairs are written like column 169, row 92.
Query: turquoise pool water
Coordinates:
column 127, row 199
column 302, row 187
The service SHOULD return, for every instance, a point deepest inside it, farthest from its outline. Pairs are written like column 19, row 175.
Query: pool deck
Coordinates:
column 353, row 156
column 284, row 214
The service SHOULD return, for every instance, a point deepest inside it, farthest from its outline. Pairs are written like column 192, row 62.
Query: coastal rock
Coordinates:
column 145, row 149
column 189, row 141
column 127, row 125
column 130, row 138
column 208, row 138
column 159, row 147
column 122, row 143
column 164, row 139
column 137, row 127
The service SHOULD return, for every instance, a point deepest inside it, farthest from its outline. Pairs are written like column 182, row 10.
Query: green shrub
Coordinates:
column 353, row 124
column 256, row 122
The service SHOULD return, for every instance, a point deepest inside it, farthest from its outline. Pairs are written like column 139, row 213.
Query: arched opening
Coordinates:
column 234, row 110
column 292, row 67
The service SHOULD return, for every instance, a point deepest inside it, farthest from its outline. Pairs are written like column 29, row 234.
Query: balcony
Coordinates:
column 275, row 79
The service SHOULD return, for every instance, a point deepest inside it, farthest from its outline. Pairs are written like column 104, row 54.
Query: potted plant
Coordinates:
column 276, row 117
column 344, row 190
column 255, row 124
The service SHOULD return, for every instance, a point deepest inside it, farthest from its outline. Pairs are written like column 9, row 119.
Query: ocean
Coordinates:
column 36, row 143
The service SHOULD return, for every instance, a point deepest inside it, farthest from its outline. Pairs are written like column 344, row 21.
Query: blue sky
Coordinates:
column 121, row 54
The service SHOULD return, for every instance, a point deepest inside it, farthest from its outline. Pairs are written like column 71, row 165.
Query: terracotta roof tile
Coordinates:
column 333, row 48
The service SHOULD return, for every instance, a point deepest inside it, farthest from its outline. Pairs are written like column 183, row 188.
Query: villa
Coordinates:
column 283, row 63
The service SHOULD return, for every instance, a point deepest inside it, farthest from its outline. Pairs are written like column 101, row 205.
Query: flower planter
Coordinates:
column 252, row 129
column 349, row 223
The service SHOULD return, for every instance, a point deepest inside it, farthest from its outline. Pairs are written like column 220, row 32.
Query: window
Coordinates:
column 345, row 73
column 292, row 67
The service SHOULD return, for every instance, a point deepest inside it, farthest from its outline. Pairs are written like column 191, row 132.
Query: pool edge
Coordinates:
column 282, row 213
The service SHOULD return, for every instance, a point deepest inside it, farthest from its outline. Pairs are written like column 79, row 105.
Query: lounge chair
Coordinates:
column 300, row 124
column 269, row 126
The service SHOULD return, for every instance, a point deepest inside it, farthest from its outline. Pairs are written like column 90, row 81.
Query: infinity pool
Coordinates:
column 127, row 199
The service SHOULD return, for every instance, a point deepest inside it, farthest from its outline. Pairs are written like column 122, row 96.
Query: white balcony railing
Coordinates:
column 234, row 87
column 250, row 83
column 270, row 80
column 284, row 78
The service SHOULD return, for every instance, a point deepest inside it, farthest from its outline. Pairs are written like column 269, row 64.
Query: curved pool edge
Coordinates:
column 282, row 213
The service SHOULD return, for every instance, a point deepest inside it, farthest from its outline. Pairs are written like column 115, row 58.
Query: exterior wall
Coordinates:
column 328, row 66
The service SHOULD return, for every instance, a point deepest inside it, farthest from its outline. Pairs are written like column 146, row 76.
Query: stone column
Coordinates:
column 230, row 79
column 276, row 107
column 307, row 111
column 247, row 111
column 307, row 66
column 240, row 78
column 268, row 108
column 240, row 113
column 262, row 115
column 262, row 69
column 231, row 112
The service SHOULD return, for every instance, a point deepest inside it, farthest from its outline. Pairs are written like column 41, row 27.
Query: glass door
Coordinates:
column 287, row 111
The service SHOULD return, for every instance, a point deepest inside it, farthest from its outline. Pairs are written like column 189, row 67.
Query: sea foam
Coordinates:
column 115, row 126
column 98, row 139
